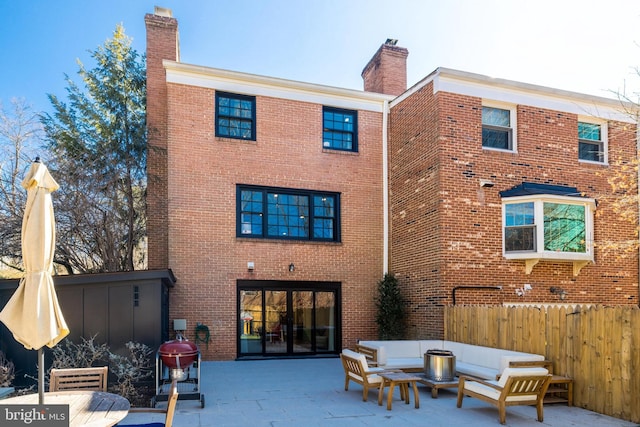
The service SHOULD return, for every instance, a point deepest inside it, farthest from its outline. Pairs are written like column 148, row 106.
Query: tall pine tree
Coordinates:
column 391, row 309
column 98, row 141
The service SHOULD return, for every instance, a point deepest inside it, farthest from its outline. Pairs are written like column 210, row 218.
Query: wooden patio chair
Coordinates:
column 357, row 370
column 79, row 379
column 517, row 386
column 170, row 411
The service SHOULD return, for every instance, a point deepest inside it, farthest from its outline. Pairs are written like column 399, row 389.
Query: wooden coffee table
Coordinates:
column 401, row 379
column 436, row 385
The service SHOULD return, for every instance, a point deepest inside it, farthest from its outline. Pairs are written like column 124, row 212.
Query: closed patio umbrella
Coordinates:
column 33, row 314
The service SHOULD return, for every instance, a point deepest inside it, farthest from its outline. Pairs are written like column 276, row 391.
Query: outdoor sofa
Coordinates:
column 472, row 360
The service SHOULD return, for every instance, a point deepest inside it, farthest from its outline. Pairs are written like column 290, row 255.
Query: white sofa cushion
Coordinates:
column 402, row 348
column 404, row 363
column 474, row 360
column 464, row 368
column 506, row 359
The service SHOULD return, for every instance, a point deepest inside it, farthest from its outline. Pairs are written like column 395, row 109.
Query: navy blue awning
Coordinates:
column 533, row 188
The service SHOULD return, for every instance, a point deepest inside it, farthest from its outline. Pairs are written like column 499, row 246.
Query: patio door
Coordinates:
column 287, row 318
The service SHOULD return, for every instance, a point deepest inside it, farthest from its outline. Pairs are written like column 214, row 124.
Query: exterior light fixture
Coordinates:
column 523, row 290
column 558, row 291
column 292, row 267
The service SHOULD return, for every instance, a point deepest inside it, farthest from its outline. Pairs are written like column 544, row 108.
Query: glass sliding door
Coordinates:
column 276, row 315
column 303, row 321
column 250, row 321
column 325, row 310
column 288, row 318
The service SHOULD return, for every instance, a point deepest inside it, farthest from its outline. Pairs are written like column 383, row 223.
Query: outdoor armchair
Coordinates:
column 356, row 370
column 517, row 386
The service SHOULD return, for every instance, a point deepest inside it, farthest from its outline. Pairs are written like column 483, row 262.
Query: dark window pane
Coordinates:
column 339, row 126
column 588, row 151
column 494, row 138
column 288, row 215
column 235, row 116
column 518, row 239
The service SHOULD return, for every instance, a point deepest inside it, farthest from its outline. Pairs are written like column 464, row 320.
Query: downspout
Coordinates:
column 385, row 187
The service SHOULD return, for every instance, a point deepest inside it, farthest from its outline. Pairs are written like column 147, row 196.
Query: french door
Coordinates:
column 288, row 318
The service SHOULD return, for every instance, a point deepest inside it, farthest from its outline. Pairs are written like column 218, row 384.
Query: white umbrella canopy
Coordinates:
column 33, row 313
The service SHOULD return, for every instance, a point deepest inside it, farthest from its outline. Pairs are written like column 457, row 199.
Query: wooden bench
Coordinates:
column 79, row 379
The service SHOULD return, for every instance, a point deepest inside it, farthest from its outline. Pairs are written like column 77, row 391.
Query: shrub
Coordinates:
column 131, row 370
column 391, row 309
column 7, row 371
column 86, row 354
column 128, row 370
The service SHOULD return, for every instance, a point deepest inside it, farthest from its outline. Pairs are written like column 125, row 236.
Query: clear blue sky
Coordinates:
column 588, row 46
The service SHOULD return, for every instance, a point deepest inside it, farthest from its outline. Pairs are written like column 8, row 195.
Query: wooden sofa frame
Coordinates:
column 515, row 387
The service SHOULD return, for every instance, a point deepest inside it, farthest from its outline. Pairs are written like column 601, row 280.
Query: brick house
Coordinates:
column 280, row 204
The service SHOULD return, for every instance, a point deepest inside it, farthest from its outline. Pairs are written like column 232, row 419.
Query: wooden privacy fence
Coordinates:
column 599, row 347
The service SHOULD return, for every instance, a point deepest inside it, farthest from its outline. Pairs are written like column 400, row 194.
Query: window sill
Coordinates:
column 591, row 162
column 531, row 259
column 344, row 152
column 499, row 150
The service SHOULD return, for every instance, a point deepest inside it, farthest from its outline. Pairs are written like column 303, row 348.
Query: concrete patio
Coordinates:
column 310, row 392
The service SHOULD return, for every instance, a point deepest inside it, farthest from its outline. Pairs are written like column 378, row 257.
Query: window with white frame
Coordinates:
column 498, row 128
column 591, row 141
column 548, row 226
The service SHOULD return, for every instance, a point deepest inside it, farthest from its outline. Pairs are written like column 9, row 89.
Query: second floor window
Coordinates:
column 497, row 131
column 276, row 213
column 590, row 142
column 339, row 129
column 235, row 116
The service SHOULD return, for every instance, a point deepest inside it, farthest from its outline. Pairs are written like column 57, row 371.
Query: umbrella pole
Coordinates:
column 40, row 376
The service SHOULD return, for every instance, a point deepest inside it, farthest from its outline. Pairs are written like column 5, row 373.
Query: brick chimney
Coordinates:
column 386, row 72
column 162, row 43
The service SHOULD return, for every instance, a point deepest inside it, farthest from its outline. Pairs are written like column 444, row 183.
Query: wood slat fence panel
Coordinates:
column 597, row 346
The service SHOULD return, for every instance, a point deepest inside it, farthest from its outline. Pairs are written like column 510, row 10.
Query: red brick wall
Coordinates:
column 162, row 34
column 204, row 252
column 386, row 72
column 446, row 229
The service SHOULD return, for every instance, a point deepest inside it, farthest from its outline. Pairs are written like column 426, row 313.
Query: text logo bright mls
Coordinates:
column 34, row 415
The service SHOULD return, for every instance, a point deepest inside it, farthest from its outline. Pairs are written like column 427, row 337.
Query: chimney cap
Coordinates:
column 391, row 42
column 162, row 11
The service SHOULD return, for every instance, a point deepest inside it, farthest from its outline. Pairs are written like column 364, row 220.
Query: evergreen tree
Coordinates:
column 98, row 140
column 391, row 309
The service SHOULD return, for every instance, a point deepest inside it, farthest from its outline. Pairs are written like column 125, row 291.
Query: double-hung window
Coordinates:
column 497, row 128
column 591, row 142
column 235, row 116
column 339, row 129
column 555, row 225
column 279, row 213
